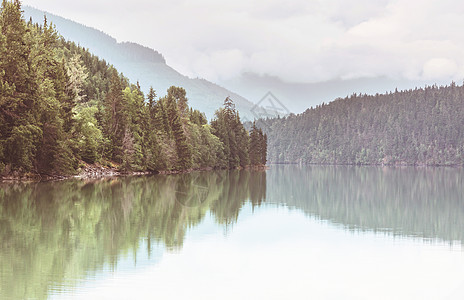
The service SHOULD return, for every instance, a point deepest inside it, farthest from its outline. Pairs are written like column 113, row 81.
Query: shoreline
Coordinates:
column 97, row 171
column 370, row 165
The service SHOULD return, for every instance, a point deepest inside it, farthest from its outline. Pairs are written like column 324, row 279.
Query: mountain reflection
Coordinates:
column 421, row 202
column 52, row 234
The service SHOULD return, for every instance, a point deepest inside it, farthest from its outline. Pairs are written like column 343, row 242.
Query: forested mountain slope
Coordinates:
column 144, row 65
column 61, row 106
column 424, row 126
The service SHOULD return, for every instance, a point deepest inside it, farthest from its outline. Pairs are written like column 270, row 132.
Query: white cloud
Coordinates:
column 219, row 65
column 436, row 68
column 298, row 41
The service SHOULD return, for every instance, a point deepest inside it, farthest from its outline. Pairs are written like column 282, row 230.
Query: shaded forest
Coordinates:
column 62, row 107
column 424, row 126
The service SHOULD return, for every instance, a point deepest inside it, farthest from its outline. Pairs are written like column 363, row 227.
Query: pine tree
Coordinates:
column 258, row 146
column 229, row 129
column 184, row 153
column 116, row 120
column 54, row 105
column 180, row 96
column 151, row 96
column 162, row 118
column 255, row 158
column 242, row 140
column 220, row 129
column 31, row 109
column 18, row 128
column 65, row 96
column 263, row 148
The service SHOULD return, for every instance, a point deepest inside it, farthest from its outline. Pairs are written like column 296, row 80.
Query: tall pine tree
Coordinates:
column 184, row 153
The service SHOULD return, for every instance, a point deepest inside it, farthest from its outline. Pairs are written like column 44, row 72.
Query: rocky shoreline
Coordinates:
column 95, row 171
column 88, row 171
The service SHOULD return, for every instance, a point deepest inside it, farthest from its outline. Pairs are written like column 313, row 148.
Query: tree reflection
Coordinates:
column 69, row 230
column 421, row 202
column 54, row 233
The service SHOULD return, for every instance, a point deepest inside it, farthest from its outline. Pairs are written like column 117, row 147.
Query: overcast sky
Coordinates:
column 298, row 41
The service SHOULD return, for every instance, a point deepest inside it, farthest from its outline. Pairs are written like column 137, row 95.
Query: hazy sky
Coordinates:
column 298, row 41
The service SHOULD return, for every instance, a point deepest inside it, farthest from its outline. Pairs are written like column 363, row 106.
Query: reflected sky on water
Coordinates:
column 290, row 232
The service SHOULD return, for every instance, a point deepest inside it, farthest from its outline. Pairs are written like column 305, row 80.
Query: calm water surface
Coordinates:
column 288, row 233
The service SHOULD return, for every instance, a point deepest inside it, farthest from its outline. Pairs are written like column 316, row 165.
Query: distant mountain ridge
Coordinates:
column 145, row 65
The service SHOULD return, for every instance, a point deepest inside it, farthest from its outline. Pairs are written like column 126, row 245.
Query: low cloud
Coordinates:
column 297, row 41
column 437, row 68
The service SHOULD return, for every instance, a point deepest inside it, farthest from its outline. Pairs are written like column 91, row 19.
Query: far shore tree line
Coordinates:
column 421, row 126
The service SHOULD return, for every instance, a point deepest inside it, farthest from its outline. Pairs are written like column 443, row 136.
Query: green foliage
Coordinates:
column 231, row 132
column 60, row 104
column 258, row 146
column 115, row 118
column 36, row 106
column 89, row 136
column 209, row 151
column 16, row 98
column 21, row 146
column 415, row 127
column 176, row 107
column 197, row 117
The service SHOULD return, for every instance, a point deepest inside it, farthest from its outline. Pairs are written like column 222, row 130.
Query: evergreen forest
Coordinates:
column 62, row 107
column 424, row 126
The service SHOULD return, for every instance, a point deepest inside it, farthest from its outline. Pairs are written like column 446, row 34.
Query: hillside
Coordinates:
column 144, row 65
column 415, row 127
column 62, row 107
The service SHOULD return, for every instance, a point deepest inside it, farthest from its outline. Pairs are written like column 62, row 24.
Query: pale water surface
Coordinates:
column 291, row 232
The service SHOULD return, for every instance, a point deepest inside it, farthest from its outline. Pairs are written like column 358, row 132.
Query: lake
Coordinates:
column 291, row 232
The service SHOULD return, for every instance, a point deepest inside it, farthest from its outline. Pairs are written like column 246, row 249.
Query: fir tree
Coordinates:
column 184, row 154
column 115, row 118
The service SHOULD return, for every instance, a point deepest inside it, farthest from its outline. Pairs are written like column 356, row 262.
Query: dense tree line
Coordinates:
column 61, row 106
column 424, row 126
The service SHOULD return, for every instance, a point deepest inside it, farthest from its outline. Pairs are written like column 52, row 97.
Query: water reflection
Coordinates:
column 421, row 202
column 53, row 234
